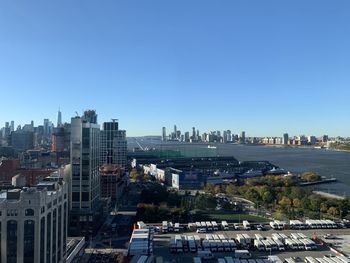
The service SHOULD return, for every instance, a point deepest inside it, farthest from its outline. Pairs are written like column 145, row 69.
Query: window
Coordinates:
column 11, row 241
column 85, row 196
column 59, row 238
column 29, row 212
column 54, row 234
column 75, row 197
column 12, row 212
column 28, row 239
column 48, row 238
column 42, row 240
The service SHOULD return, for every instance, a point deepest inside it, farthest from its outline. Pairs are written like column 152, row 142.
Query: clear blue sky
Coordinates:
column 265, row 67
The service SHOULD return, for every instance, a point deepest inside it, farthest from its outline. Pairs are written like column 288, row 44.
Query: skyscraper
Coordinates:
column 46, row 127
column 113, row 144
column 59, row 118
column 285, row 140
column 12, row 126
column 163, row 134
column 193, row 133
column 242, row 139
column 85, row 186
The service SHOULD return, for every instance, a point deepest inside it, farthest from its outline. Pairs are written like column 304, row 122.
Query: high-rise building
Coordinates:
column 22, row 140
column 193, row 133
column 175, row 131
column 312, row 140
column 12, row 126
column 61, row 139
column 34, row 223
column 325, row 138
column 163, row 134
column 113, row 144
column 242, row 138
column 285, row 140
column 224, row 137
column 46, row 127
column 187, row 136
column 85, row 179
column 59, row 118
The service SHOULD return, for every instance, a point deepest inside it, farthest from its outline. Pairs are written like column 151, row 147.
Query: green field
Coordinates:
column 235, row 218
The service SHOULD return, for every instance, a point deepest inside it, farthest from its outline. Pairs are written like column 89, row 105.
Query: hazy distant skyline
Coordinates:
column 265, row 67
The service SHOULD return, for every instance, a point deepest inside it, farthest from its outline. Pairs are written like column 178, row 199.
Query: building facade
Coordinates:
column 113, row 145
column 34, row 224
column 85, row 178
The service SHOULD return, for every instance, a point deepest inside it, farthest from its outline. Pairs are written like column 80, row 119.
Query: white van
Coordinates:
column 205, row 254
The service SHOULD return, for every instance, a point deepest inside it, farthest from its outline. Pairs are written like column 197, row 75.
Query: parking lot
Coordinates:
column 161, row 243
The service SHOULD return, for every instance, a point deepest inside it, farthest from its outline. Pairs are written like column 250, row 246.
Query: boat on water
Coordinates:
column 252, row 173
column 211, row 147
column 277, row 171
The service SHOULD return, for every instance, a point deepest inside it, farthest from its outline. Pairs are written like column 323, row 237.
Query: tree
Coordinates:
column 267, row 197
column 311, row 176
column 285, row 202
column 315, row 203
column 323, row 208
column 296, row 203
column 231, row 190
column 333, row 211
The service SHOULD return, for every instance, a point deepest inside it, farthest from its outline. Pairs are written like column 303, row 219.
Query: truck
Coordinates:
column 296, row 224
column 246, row 225
column 299, row 244
column 215, row 225
column 274, row 259
column 226, row 245
column 206, row 244
column 276, row 236
column 229, row 259
column 233, row 244
column 219, row 245
column 280, row 245
column 192, row 245
column 222, row 237
column 244, row 240
column 205, row 254
column 224, row 225
column 259, row 245
column 274, row 245
column 276, row 224
column 258, row 237
column 164, row 226
column 209, row 226
column 267, row 245
column 172, row 245
column 242, row 254
column 213, row 246
column 177, row 227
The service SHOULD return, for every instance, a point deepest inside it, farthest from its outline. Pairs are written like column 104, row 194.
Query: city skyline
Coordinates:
column 266, row 68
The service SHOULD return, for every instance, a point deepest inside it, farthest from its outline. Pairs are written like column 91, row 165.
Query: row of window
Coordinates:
column 14, row 212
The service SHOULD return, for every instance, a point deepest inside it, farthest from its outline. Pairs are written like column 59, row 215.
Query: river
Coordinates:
column 327, row 163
